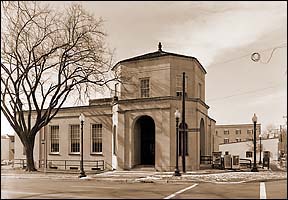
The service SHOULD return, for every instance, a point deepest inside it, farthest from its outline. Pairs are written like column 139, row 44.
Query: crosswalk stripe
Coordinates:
column 262, row 190
column 180, row 191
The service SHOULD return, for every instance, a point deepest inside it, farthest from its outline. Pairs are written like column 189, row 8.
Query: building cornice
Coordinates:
column 156, row 55
column 125, row 101
column 234, row 125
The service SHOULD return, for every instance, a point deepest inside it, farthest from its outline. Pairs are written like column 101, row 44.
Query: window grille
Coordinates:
column 144, row 85
column 75, row 138
column 226, row 140
column 96, row 138
column 54, row 139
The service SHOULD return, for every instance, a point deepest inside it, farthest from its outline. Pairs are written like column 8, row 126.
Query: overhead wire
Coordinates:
column 249, row 54
column 252, row 91
column 244, row 93
column 272, row 53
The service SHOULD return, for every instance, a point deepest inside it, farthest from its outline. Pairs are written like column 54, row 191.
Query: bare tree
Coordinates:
column 270, row 131
column 45, row 57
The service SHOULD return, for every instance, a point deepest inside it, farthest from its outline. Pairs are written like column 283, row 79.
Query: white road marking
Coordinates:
column 18, row 192
column 6, row 194
column 262, row 190
column 180, row 191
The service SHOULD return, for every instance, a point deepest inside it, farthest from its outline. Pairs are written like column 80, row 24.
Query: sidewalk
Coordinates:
column 210, row 175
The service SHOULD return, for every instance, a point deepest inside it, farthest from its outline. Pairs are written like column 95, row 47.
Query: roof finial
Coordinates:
column 159, row 46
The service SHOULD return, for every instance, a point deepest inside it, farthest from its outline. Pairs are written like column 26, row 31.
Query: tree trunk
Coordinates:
column 29, row 156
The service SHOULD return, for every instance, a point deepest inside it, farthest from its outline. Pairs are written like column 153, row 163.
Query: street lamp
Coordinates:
column 82, row 172
column 260, row 137
column 177, row 117
column 254, row 119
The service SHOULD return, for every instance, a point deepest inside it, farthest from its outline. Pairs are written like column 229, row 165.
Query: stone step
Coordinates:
column 144, row 168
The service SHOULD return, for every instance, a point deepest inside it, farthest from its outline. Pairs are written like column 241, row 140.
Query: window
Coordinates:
column 226, row 132
column 238, row 131
column 75, row 138
column 249, row 131
column 54, row 139
column 226, row 140
column 179, row 85
column 144, row 86
column 248, row 154
column 114, row 139
column 199, row 90
column 238, row 140
column 96, row 138
column 216, row 133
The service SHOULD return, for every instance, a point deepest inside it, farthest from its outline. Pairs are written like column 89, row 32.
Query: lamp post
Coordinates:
column 177, row 116
column 260, row 137
column 254, row 119
column 82, row 172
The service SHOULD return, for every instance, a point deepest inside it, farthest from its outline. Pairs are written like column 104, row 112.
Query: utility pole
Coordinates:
column 183, row 127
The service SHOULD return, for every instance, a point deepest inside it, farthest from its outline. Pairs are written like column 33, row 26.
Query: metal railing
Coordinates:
column 21, row 162
column 73, row 164
column 205, row 159
column 64, row 164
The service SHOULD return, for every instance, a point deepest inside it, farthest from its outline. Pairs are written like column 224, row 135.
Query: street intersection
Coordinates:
column 145, row 184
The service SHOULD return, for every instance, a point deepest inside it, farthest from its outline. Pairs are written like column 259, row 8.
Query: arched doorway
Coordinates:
column 202, row 138
column 145, row 141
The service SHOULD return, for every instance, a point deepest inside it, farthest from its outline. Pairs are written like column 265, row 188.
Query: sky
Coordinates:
column 222, row 36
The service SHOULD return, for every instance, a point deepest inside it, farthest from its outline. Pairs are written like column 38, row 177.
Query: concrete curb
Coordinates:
column 138, row 180
column 157, row 177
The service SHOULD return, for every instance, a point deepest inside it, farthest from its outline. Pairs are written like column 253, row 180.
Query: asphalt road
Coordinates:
column 79, row 189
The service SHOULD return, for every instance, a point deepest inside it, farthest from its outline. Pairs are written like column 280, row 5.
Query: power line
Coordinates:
column 249, row 54
column 272, row 53
column 244, row 93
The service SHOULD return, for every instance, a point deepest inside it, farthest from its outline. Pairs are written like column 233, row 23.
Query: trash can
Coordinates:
column 227, row 162
column 216, row 159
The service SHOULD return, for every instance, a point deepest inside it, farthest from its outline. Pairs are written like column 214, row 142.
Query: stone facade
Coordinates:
column 138, row 123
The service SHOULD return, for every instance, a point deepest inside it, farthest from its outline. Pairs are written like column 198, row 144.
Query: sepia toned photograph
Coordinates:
column 144, row 100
